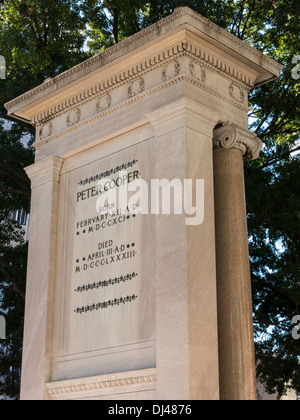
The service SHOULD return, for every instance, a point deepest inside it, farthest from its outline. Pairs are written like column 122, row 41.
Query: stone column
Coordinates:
column 36, row 361
column 235, row 323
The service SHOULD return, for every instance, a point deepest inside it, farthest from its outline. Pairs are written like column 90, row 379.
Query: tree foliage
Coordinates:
column 40, row 39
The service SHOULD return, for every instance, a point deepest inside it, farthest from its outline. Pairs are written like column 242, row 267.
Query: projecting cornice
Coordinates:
column 200, row 62
column 183, row 31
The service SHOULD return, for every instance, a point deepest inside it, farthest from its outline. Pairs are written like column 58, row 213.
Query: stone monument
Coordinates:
column 128, row 304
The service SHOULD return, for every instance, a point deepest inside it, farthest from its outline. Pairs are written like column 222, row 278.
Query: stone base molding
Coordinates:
column 103, row 386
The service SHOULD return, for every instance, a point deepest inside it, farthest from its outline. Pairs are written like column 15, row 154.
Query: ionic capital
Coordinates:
column 229, row 135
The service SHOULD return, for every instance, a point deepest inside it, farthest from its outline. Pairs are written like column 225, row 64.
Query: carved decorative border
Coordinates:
column 105, row 305
column 106, row 283
column 105, row 174
column 142, row 379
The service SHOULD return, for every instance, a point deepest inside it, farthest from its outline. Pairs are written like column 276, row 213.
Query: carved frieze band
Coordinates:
column 121, row 105
column 173, row 70
column 102, row 383
column 230, row 135
column 170, row 70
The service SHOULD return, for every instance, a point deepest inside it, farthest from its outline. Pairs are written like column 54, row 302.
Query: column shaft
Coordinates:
column 235, row 323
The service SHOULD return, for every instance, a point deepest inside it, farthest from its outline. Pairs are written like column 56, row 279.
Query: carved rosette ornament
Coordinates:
column 229, row 135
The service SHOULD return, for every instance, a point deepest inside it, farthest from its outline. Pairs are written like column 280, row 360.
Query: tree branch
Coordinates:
column 275, row 290
column 14, row 287
column 116, row 25
column 280, row 157
column 284, row 228
column 15, row 191
column 251, row 9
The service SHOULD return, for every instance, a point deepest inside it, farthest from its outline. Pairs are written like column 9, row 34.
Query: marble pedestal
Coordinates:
column 126, row 305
